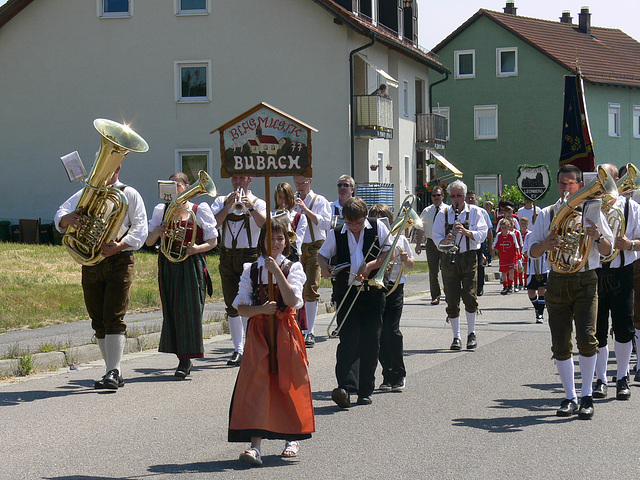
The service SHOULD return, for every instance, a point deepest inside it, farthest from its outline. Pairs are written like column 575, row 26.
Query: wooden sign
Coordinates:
column 533, row 181
column 265, row 142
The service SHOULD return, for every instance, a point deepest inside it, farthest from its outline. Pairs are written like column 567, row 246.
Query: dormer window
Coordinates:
column 115, row 8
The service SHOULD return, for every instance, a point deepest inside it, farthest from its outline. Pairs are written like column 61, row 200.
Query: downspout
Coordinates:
column 352, row 102
column 431, row 90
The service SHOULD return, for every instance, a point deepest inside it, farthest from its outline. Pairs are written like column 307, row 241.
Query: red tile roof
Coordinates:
column 606, row 56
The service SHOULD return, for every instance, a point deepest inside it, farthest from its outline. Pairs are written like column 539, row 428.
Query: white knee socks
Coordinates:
column 455, row 326
column 623, row 357
column 566, row 372
column 114, row 348
column 471, row 322
column 587, row 367
column 237, row 327
column 312, row 311
column 601, row 363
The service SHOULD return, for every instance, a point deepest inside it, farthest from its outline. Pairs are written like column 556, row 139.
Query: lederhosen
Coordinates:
column 357, row 352
column 615, row 295
column 309, row 260
column 232, row 259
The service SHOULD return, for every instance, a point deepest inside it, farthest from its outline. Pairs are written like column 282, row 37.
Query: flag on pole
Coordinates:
column 577, row 147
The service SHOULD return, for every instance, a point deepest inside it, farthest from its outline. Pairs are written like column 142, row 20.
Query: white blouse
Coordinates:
column 204, row 219
column 296, row 279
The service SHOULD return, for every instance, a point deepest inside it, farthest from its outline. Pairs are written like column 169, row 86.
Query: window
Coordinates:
column 465, row 63
column 381, row 168
column 192, row 7
column 614, row 119
column 445, row 112
column 115, row 8
column 407, row 174
column 405, row 97
column 193, row 81
column 486, row 184
column 191, row 161
column 485, row 121
column 636, row 121
column 506, row 62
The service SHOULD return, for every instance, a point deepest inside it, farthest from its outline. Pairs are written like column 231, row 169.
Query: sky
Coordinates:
column 438, row 18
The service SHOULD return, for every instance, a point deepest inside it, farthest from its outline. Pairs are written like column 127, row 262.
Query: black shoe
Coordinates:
column 398, row 386
column 341, row 397
column 309, row 340
column 184, row 368
column 567, row 408
column 385, row 386
column 516, row 288
column 510, row 289
column 539, row 318
column 471, row 341
column 235, row 359
column 435, row 301
column 586, row 408
column 366, row 400
column 601, row 389
column 504, row 291
column 622, row 388
column 480, row 293
column 456, row 344
column 111, row 381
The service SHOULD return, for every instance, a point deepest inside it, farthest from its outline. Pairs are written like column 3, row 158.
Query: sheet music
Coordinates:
column 167, row 190
column 74, row 166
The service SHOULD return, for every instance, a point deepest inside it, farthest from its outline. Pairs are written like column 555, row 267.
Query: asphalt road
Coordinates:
column 488, row 413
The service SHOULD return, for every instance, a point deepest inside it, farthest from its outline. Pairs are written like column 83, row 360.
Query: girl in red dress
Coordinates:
column 508, row 249
column 265, row 404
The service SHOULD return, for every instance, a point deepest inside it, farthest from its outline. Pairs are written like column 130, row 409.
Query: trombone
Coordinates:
column 406, row 217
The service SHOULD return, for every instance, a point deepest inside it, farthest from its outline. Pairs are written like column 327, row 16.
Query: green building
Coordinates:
column 504, row 100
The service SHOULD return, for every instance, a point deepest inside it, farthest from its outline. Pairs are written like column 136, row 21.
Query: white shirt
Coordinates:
column 528, row 212
column 356, row 255
column 541, row 231
column 296, row 279
column 632, row 231
column 204, row 219
column 336, row 208
column 477, row 225
column 322, row 209
column 428, row 216
column 236, row 228
column 135, row 220
column 535, row 266
column 403, row 244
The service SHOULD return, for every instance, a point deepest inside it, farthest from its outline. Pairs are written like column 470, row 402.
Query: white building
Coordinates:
column 175, row 70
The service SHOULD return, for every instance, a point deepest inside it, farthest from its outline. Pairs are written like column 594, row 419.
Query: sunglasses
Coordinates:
column 436, row 194
column 346, row 185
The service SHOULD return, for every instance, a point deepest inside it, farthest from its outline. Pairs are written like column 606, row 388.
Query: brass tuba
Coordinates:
column 103, row 207
column 572, row 254
column 173, row 244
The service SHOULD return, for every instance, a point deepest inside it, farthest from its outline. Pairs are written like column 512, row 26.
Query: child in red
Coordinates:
column 508, row 248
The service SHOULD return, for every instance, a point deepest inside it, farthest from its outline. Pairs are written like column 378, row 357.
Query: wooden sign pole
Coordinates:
column 273, row 359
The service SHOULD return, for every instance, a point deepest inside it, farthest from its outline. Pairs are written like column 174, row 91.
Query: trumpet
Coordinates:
column 238, row 207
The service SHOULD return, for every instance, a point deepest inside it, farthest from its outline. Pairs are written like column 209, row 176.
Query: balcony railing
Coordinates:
column 431, row 131
column 374, row 116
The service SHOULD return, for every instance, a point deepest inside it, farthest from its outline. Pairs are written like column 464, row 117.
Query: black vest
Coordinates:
column 342, row 252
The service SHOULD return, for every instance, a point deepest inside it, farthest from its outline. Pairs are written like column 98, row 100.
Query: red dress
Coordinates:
column 507, row 246
column 272, row 405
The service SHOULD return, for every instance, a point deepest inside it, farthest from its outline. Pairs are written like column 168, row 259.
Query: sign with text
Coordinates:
column 533, row 181
column 265, row 141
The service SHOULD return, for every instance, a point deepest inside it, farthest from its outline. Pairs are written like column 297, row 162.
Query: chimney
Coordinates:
column 566, row 17
column 510, row 8
column 585, row 21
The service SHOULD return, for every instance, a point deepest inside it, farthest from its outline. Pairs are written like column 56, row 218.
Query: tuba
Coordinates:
column 102, row 207
column 572, row 253
column 174, row 244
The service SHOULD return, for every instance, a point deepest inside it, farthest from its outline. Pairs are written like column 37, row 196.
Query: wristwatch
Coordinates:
column 251, row 209
column 633, row 245
column 600, row 239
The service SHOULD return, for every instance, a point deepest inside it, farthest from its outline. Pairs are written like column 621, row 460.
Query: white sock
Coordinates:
column 236, row 328
column 587, row 367
column 623, row 357
column 566, row 372
column 455, row 326
column 312, row 312
column 103, row 350
column 471, row 322
column 601, row 363
column 114, row 348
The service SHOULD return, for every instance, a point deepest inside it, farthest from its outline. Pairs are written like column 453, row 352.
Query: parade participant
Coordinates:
column 357, row 352
column 483, row 251
column 521, row 268
column 183, row 285
column 464, row 226
column 536, row 279
column 507, row 209
column 266, row 404
column 107, row 285
column 284, row 197
column 318, row 212
column 527, row 211
column 239, row 216
column 428, row 216
column 346, row 187
column 572, row 297
column 391, row 345
column 508, row 247
column 488, row 206
column 615, row 295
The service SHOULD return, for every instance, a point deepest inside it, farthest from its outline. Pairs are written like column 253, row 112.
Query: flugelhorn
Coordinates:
column 572, row 254
column 102, row 206
column 175, row 242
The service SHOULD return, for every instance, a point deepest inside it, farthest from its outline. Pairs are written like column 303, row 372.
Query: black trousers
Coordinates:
column 391, row 345
column 357, row 352
column 615, row 295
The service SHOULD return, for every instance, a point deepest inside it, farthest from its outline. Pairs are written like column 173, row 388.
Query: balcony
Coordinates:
column 374, row 116
column 431, row 131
